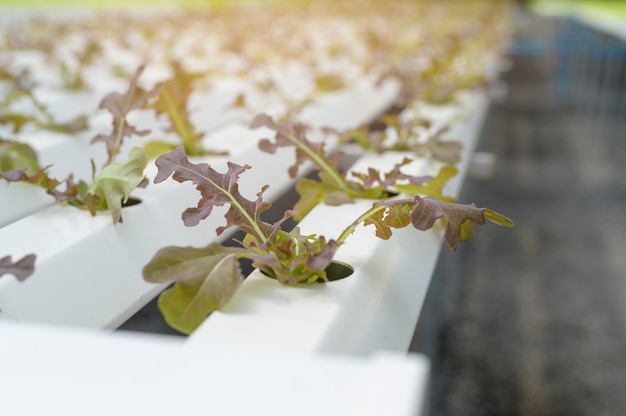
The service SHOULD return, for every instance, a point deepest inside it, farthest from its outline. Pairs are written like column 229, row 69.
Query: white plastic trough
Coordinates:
column 57, row 371
column 374, row 309
column 89, row 278
column 211, row 112
column 274, row 333
column 266, row 351
column 77, row 283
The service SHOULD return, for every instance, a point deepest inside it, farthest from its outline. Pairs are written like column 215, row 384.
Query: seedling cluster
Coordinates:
column 296, row 55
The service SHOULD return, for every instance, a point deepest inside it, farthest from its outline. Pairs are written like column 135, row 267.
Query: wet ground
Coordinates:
column 532, row 320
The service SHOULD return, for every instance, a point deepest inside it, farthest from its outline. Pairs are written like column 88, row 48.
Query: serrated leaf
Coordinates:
column 383, row 231
column 385, row 215
column 398, row 215
column 119, row 105
column 373, row 185
column 21, row 269
column 378, row 183
column 115, row 182
column 429, row 209
column 172, row 102
column 75, row 193
column 39, row 178
column 288, row 256
column 432, row 187
column 422, row 213
column 333, row 188
column 293, row 134
column 294, row 258
column 134, row 98
column 205, row 279
column 216, row 189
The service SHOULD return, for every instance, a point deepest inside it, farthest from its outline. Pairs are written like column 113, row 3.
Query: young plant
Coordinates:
column 21, row 268
column 72, row 75
column 333, row 187
column 206, row 278
column 19, row 163
column 401, row 135
column 111, row 187
column 172, row 102
column 23, row 87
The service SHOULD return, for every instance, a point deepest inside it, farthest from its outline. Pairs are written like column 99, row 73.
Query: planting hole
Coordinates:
column 337, row 271
column 131, row 201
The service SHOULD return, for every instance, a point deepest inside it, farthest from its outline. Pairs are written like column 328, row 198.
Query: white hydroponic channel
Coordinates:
column 88, row 271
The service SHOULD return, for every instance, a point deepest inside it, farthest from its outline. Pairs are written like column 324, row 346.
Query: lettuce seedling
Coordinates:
column 119, row 105
column 23, row 87
column 333, row 187
column 206, row 278
column 21, row 269
column 112, row 185
column 401, row 135
column 109, row 190
column 172, row 102
column 19, row 163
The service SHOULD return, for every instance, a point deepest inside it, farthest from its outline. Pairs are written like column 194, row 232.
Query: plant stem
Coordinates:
column 319, row 161
column 179, row 124
column 119, row 133
column 41, row 107
column 350, row 229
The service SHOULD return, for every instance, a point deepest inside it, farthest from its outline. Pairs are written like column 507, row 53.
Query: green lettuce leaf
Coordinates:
column 156, row 148
column 112, row 186
column 205, row 279
column 17, row 120
column 19, row 156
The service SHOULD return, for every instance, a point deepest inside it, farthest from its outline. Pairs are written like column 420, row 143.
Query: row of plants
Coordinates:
column 433, row 62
